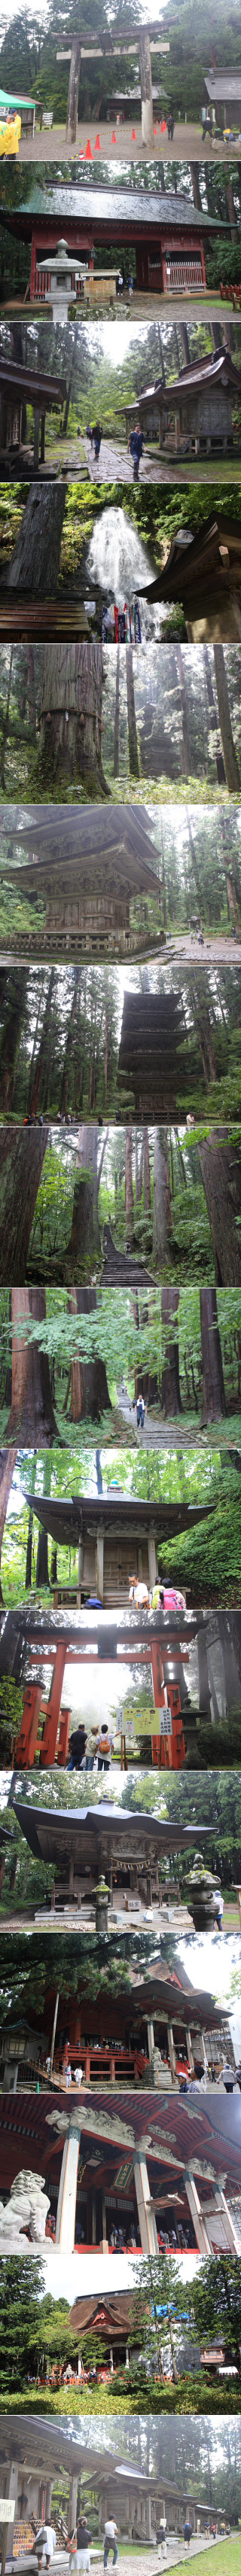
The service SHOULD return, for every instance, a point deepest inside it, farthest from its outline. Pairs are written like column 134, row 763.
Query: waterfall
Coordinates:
column 119, row 562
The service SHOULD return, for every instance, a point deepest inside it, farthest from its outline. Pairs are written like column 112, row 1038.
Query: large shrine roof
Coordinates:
column 55, row 1834
column 68, row 1518
column 143, row 209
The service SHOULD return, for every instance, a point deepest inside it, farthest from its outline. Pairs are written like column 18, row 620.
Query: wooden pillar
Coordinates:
column 93, row 2216
column 150, row 2036
column 190, row 2051
column 232, row 2234
column 146, row 2213
column 42, row 438
column 171, row 2049
column 73, row 92
column 104, row 2216
column 66, row 2211
column 152, row 1559
column 49, row 1739
column 72, row 2508
column 36, row 439
column 100, row 1560
column 196, row 2213
column 146, row 86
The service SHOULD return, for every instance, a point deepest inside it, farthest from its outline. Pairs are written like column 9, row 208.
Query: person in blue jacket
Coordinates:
column 135, row 446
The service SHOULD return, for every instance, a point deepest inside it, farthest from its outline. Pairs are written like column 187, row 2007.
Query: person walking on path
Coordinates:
column 110, row 2542
column 135, row 447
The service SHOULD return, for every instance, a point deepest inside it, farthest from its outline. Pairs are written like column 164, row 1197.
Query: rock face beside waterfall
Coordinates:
column 27, row 2208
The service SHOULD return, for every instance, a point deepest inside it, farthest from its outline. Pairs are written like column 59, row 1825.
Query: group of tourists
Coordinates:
column 162, row 1597
column 94, row 1747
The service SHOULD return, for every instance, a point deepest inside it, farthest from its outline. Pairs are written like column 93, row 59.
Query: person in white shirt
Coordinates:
column 110, row 2542
column 45, row 2543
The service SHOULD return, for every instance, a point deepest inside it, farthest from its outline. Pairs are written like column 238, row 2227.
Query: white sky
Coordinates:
column 66, row 2274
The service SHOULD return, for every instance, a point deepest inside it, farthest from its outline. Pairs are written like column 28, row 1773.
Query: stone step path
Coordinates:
column 158, row 1434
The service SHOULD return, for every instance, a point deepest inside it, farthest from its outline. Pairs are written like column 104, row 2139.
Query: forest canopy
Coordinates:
column 77, row 1203
column 79, row 720
column 85, row 1357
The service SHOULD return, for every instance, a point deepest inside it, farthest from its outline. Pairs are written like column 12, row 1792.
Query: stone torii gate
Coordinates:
column 144, row 41
column 118, row 2131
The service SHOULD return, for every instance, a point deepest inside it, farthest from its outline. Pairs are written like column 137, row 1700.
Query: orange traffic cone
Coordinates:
column 88, row 155
column 113, row 137
column 133, row 138
column 97, row 144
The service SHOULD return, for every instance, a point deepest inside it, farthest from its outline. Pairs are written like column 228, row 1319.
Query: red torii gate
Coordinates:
column 51, row 1738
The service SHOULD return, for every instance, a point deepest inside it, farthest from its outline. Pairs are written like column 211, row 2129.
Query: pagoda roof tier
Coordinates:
column 79, row 1833
column 119, row 213
column 75, row 1515
column 82, row 839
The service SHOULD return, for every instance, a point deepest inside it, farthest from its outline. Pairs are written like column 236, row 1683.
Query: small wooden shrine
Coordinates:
column 194, row 414
column 20, row 385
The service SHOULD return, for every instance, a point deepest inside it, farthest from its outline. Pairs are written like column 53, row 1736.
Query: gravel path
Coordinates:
column 187, row 145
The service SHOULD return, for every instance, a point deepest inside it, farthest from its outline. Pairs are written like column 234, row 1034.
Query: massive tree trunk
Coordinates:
column 218, row 755
column 85, row 1244
column 162, row 1219
column 193, row 856
column 129, row 1193
column 215, row 1158
column 202, row 1023
column 15, row 987
column 40, row 1070
column 232, row 769
column 147, row 1174
column 29, row 1548
column 170, row 1388
column 194, row 171
column 89, row 1391
column 32, row 1419
column 213, row 1405
column 71, row 716
column 7, row 1463
column 131, row 713
column 36, row 559
column 22, row 1152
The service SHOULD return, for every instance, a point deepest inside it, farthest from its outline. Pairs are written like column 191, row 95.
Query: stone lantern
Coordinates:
column 62, row 266
column 101, row 1908
column 203, row 1894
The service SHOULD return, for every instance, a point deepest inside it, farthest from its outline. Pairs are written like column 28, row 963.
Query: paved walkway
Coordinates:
column 148, row 2559
column 187, row 145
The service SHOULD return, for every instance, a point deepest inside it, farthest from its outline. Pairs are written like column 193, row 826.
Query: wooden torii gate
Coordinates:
column 144, row 41
column 43, row 1729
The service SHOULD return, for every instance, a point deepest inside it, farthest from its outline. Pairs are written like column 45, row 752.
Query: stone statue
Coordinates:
column 28, row 2207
